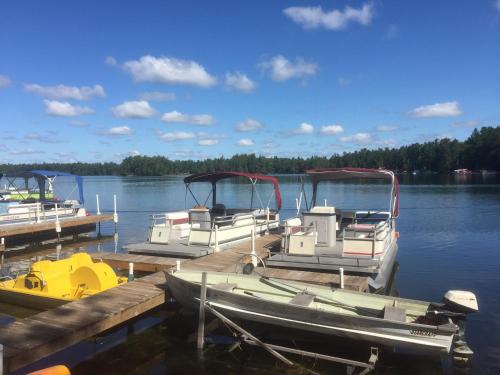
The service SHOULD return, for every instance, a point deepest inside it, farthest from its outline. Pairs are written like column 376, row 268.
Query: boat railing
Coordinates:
column 38, row 211
column 359, row 231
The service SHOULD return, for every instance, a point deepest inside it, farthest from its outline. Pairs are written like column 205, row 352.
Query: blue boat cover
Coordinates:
column 41, row 176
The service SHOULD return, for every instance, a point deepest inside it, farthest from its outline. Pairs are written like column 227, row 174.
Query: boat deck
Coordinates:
column 175, row 249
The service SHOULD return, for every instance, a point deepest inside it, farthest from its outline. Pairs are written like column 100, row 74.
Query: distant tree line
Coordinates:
column 480, row 151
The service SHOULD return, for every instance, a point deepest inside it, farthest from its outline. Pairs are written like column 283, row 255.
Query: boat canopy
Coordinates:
column 332, row 174
column 41, row 176
column 214, row 177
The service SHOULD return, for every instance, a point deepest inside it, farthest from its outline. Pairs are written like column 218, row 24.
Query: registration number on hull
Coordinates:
column 421, row 332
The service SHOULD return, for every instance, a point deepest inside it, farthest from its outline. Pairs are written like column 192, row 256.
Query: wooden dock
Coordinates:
column 13, row 232
column 31, row 339
column 143, row 263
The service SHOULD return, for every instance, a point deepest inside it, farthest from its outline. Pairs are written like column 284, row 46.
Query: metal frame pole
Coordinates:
column 201, row 317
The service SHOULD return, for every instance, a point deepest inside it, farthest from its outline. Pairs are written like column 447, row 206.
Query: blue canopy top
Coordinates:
column 42, row 175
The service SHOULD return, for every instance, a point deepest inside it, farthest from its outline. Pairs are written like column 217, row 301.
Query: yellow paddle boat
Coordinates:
column 52, row 283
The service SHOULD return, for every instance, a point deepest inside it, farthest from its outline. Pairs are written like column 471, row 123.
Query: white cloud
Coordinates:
column 4, row 81
column 468, row 124
column 387, row 128
column 45, row 138
column 133, row 109
column 181, row 118
column 249, row 125
column 119, row 130
column 65, row 109
column 360, row 138
column 331, row 129
column 245, row 142
column 282, row 69
column 497, row 5
column 156, row 96
column 304, row 128
column 176, row 136
column 78, row 124
column 169, row 70
column 66, row 92
column 447, row 109
column 240, row 82
column 316, row 17
column 110, row 60
column 208, row 142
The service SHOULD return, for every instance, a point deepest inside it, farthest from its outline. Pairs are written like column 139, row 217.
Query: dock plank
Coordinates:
column 145, row 263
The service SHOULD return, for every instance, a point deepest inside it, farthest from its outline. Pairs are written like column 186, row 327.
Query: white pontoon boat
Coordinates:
column 201, row 230
column 327, row 238
column 57, row 194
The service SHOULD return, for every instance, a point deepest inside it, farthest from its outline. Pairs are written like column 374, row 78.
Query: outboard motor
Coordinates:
column 461, row 301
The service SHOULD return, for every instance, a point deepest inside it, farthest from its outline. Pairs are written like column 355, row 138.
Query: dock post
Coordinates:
column 201, row 317
column 98, row 212
column 97, row 204
column 216, row 248
column 37, row 213
column 115, row 237
column 267, row 220
column 254, row 254
column 115, row 214
column 131, row 271
column 58, row 225
column 1, row 359
column 58, row 251
column 341, row 274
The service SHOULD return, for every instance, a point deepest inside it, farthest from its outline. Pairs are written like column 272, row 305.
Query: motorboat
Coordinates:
column 328, row 238
column 206, row 228
column 397, row 324
column 49, row 283
column 46, row 196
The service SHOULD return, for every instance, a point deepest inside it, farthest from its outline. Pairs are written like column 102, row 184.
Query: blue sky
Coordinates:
column 98, row 81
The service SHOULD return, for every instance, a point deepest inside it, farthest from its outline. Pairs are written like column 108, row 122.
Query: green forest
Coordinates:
column 481, row 150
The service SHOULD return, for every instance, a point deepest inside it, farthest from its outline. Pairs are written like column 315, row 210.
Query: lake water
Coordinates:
column 449, row 239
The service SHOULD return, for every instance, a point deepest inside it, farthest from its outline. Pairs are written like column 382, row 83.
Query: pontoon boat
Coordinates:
column 327, row 238
column 201, row 230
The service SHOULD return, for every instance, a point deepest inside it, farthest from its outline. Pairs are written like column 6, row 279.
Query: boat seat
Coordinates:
column 394, row 313
column 225, row 287
column 303, row 299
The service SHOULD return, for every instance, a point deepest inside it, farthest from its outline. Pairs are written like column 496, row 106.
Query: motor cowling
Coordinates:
column 461, row 301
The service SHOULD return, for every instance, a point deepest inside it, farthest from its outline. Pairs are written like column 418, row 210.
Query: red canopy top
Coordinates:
column 213, row 177
column 325, row 174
